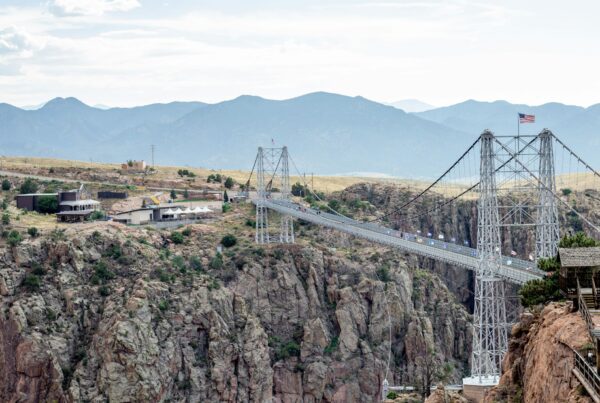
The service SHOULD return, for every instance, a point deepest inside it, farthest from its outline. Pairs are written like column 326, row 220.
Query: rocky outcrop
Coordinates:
column 124, row 314
column 537, row 367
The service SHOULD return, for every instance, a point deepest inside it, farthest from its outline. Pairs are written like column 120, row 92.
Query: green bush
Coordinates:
column 173, row 194
column 104, row 291
column 229, row 182
column 33, row 232
column 579, row 240
column 177, row 237
column 6, row 185
column 228, row 240
column 216, row 262
column 566, row 191
column 289, row 349
column 31, row 282
column 392, row 395
column 187, row 231
column 163, row 305
column 14, row 238
column 250, row 222
column 226, row 207
column 195, row 263
column 28, row 186
column 5, row 218
column 540, row 291
column 47, row 204
column 383, row 273
column 96, row 215
column 332, row 346
column 102, row 271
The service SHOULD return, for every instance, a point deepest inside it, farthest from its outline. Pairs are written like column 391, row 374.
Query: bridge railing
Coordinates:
column 450, row 253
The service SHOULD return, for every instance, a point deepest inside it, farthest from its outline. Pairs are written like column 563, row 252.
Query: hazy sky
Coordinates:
column 126, row 52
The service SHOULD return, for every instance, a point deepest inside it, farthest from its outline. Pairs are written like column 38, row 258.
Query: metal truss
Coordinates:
column 489, row 335
column 273, row 177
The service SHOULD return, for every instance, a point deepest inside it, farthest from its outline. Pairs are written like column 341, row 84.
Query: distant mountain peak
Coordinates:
column 411, row 105
column 64, row 102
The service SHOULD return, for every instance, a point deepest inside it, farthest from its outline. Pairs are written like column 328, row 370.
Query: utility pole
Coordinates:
column 152, row 148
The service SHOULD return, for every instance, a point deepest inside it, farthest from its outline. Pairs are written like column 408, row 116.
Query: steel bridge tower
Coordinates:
column 272, row 168
column 489, row 316
column 547, row 231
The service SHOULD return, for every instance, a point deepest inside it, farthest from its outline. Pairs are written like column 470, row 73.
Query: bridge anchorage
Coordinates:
column 515, row 186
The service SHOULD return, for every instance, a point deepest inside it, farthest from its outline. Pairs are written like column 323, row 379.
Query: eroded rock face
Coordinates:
column 537, row 367
column 123, row 315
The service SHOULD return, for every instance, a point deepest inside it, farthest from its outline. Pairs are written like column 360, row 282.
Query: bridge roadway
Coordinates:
column 514, row 270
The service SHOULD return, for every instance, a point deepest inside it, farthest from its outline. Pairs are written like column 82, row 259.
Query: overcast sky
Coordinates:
column 130, row 52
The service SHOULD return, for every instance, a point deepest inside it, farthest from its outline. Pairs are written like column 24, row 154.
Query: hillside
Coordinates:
column 104, row 312
column 578, row 127
column 326, row 133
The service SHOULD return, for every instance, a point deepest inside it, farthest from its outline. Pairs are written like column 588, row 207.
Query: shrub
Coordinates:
column 195, row 263
column 173, row 194
column 177, row 237
column 187, row 231
column 163, row 305
column 250, row 222
column 33, row 232
column 216, row 262
column 47, row 204
column 186, row 194
column 102, row 271
column 14, row 238
column 28, row 186
column 31, row 282
column 579, row 240
column 6, row 185
column 5, row 219
column 289, row 349
column 96, row 215
column 228, row 240
column 539, row 291
column 392, row 395
column 383, row 273
column 229, row 182
column 104, row 291
column 566, row 191
column 332, row 346
column 226, row 207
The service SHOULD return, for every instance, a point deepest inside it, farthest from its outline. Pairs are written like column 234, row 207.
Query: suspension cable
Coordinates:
column 550, row 190
column 575, row 155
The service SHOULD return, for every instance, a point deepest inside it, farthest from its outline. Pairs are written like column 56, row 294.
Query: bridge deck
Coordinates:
column 514, row 270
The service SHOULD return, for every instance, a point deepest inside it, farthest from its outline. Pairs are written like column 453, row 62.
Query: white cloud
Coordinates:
column 14, row 42
column 62, row 8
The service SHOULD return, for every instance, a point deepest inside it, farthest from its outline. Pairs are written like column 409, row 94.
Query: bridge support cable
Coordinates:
column 490, row 339
column 547, row 228
column 272, row 166
column 556, row 196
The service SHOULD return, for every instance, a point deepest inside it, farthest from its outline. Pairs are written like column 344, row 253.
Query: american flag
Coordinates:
column 523, row 118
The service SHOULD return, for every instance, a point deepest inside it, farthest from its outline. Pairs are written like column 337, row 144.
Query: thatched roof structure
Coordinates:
column 579, row 257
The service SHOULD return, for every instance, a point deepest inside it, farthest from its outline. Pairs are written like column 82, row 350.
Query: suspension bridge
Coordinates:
column 514, row 182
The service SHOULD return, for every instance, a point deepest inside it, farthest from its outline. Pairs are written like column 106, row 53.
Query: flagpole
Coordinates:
column 518, row 125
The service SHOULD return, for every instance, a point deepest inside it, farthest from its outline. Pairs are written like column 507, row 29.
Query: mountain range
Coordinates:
column 325, row 133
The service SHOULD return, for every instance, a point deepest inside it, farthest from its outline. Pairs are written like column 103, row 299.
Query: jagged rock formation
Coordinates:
column 125, row 314
column 537, row 367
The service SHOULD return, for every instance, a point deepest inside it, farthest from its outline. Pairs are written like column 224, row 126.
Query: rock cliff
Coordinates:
column 537, row 367
column 120, row 314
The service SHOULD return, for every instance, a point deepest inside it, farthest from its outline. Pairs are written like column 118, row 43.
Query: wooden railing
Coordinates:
column 595, row 293
column 584, row 311
column 589, row 372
